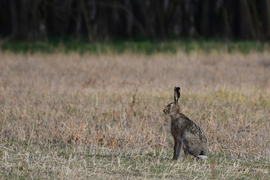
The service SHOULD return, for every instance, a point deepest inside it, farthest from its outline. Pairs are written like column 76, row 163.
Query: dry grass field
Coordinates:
column 100, row 116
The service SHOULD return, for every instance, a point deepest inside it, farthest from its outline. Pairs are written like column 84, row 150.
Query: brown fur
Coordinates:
column 185, row 132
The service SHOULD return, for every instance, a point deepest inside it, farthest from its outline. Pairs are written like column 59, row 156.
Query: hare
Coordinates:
column 185, row 132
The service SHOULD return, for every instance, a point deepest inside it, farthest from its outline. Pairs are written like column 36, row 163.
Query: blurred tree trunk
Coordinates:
column 129, row 18
column 185, row 18
column 267, row 19
column 159, row 14
column 24, row 19
column 170, row 21
column 86, row 19
column 147, row 17
column 102, row 23
column 78, row 20
column 35, row 20
column 225, row 17
column 204, row 18
column 14, row 19
column 257, row 22
column 5, row 24
column 190, row 9
column 247, row 29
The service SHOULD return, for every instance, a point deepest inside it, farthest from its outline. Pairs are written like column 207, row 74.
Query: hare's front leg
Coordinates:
column 177, row 148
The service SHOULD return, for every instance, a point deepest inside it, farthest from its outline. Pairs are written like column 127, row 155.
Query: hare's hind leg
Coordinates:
column 186, row 152
column 177, row 148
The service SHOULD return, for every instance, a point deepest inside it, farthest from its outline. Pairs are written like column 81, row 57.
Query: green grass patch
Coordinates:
column 66, row 45
column 24, row 161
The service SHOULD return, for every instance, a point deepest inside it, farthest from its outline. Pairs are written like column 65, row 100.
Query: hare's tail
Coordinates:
column 201, row 156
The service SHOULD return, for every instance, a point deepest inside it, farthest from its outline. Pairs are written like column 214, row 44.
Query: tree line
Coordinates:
column 99, row 20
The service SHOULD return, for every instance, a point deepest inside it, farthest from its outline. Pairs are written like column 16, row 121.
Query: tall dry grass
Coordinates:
column 115, row 101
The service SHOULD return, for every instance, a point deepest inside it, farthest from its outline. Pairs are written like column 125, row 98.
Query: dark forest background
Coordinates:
column 101, row 20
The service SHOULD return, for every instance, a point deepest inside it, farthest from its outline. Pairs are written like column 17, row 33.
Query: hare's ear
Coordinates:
column 176, row 94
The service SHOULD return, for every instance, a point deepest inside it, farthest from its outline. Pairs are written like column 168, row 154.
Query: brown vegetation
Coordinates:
column 113, row 105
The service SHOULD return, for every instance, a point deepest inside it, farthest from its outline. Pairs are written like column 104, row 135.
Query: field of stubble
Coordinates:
column 100, row 117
